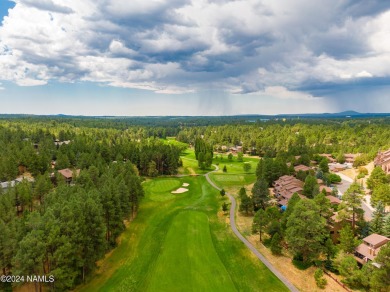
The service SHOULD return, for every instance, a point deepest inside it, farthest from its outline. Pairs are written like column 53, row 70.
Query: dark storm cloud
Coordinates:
column 46, row 5
column 318, row 47
column 359, row 8
column 333, row 88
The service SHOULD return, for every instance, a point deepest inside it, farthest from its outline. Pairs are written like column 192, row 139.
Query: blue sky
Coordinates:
column 194, row 57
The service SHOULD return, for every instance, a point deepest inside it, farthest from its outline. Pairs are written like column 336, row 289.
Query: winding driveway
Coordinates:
column 244, row 240
column 345, row 183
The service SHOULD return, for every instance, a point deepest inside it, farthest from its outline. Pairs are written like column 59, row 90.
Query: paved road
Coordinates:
column 245, row 241
column 343, row 187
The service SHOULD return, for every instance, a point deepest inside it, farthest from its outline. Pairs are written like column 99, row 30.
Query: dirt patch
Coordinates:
column 303, row 280
column 186, row 184
column 350, row 172
column 354, row 172
column 180, row 191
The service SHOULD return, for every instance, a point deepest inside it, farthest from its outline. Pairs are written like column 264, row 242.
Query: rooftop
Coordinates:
column 376, row 239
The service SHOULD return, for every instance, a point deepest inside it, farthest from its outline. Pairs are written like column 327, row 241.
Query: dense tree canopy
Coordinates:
column 306, row 231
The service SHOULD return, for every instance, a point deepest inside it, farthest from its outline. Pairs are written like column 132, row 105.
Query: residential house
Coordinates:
column 329, row 156
column 59, row 143
column 68, row 174
column 333, row 200
column 350, row 158
column 233, row 150
column 10, row 184
column 369, row 249
column 328, row 190
column 301, row 167
column 336, row 167
column 383, row 160
column 285, row 187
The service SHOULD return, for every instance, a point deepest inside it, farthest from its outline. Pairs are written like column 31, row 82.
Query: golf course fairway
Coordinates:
column 181, row 243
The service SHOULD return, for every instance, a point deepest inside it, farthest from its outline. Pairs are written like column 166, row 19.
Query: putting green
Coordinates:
column 164, row 185
column 189, row 258
column 160, row 190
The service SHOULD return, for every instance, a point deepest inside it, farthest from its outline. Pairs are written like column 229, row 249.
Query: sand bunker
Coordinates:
column 180, row 191
column 185, row 184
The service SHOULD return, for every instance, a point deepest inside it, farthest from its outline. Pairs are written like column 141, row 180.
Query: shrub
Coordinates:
column 320, row 280
column 363, row 170
column 224, row 207
column 361, row 160
column 299, row 263
column 360, row 175
column 334, row 178
column 267, row 242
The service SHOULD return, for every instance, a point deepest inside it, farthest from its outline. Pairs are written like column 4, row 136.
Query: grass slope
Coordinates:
column 181, row 244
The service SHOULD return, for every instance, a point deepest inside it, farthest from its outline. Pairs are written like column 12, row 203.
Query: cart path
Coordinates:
column 286, row 282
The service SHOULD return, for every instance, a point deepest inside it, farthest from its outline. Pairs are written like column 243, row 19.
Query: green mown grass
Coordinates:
column 228, row 180
column 164, row 185
column 189, row 261
column 233, row 166
column 181, row 245
column 160, row 190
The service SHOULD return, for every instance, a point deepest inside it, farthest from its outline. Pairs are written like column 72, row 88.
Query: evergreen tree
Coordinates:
column 260, row 221
column 290, row 208
column 92, row 246
column 323, row 166
column 152, row 170
column 260, row 169
column 346, row 264
column 306, row 231
column 260, row 194
column 208, row 159
column 386, row 227
column 246, row 204
column 380, row 280
column 351, row 205
column 381, row 193
column 311, row 188
column 276, row 247
column 224, row 207
column 378, row 221
column 348, row 243
column 377, row 177
column 324, row 206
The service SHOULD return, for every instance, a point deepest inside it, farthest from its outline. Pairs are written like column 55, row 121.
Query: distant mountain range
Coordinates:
column 344, row 114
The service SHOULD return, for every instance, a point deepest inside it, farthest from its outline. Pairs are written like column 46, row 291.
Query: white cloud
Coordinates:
column 364, row 74
column 181, row 46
